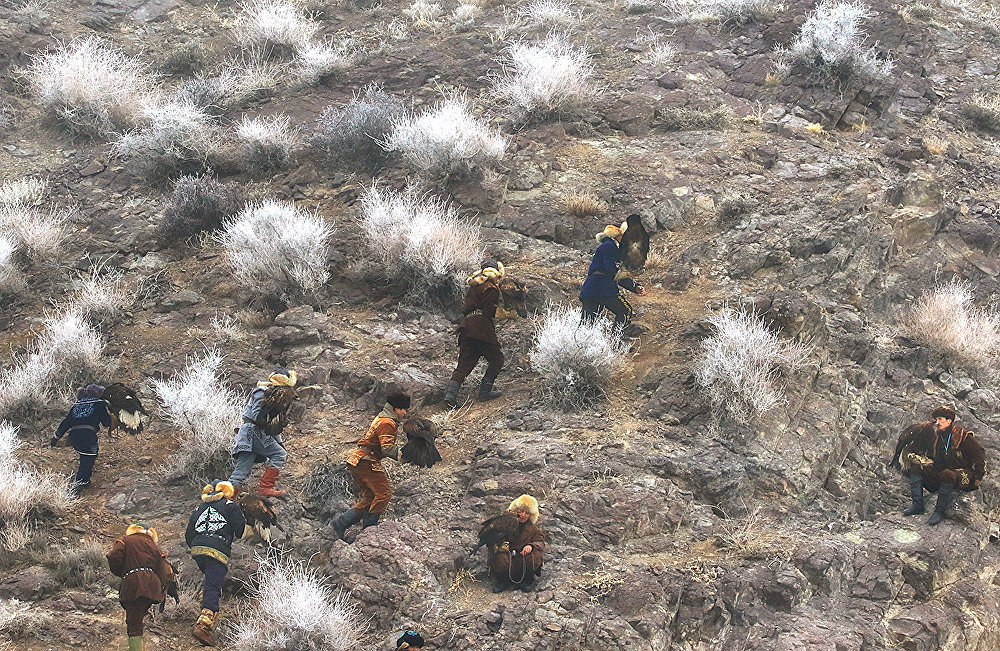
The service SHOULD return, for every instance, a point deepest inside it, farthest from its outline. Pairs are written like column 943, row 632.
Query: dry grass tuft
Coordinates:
column 584, row 205
column 946, row 318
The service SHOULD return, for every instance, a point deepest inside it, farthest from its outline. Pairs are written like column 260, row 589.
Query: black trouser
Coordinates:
column 617, row 305
column 469, row 352
column 215, row 577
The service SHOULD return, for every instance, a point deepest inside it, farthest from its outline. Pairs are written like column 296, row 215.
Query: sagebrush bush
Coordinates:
column 78, row 567
column 267, row 143
column 25, row 192
column 465, row 15
column 276, row 248
column 549, row 13
column 351, row 133
column 201, row 405
column 741, row 363
column 101, row 294
column 199, row 203
column 250, row 75
column 946, row 318
column 832, row 39
column 575, row 358
column 423, row 12
column 545, row 78
column 447, row 138
column 38, row 233
column 28, row 493
column 983, row 109
column 317, row 61
column 92, row 88
column 11, row 278
column 269, row 23
column 295, row 608
column 420, row 242
column 23, row 620
column 746, row 11
column 176, row 137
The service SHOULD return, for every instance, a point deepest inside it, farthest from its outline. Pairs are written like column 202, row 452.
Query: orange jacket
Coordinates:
column 377, row 441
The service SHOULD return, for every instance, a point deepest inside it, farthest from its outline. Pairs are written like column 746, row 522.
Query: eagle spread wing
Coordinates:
column 634, row 244
column 127, row 413
column 259, row 513
column 496, row 531
column 420, row 449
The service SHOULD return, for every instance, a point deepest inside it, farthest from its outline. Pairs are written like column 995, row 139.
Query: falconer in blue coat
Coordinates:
column 87, row 415
column 259, row 438
column 601, row 288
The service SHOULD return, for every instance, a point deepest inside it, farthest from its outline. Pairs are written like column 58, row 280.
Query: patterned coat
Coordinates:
column 378, row 442
column 953, row 455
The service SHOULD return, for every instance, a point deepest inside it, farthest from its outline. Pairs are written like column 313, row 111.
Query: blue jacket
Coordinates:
column 252, row 437
column 213, row 526
column 89, row 414
column 604, row 267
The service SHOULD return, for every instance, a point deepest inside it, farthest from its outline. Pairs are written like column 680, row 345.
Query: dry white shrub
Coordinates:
column 317, row 61
column 249, row 75
column 23, row 192
column 28, row 493
column 38, row 234
column 266, row 23
column 549, row 13
column 424, row 13
column 447, row 138
column 548, row 77
column 739, row 366
column 175, row 136
column 199, row 403
column 274, row 247
column 92, row 88
column 26, row 383
column 745, row 11
column 575, row 357
column 268, row 142
column 11, row 278
column 295, row 608
column 832, row 38
column 465, row 15
column 422, row 242
column 984, row 111
column 659, row 52
column 947, row 318
column 352, row 133
column 101, row 294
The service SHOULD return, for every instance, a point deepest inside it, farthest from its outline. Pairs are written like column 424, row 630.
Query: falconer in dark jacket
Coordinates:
column 142, row 565
column 85, row 418
column 516, row 561
column 604, row 277
column 256, row 440
column 210, row 533
column 477, row 333
column 941, row 456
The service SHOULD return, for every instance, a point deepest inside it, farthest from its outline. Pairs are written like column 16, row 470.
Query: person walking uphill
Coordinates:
column 365, row 464
column 941, row 456
column 138, row 560
column 477, row 333
column 600, row 289
column 261, row 437
column 85, row 418
column 210, row 533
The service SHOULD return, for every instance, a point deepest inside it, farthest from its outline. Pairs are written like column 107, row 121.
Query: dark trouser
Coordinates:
column 372, row 488
column 135, row 612
column 84, row 441
column 469, row 352
column 617, row 305
column 215, row 577
column 933, row 478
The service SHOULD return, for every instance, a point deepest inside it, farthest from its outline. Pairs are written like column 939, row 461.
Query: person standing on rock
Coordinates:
column 477, row 333
column 604, row 278
column 260, row 435
column 941, row 456
column 210, row 533
column 142, row 565
column 516, row 561
column 87, row 415
column 365, row 463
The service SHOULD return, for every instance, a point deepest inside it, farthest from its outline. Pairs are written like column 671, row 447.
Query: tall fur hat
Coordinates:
column 399, row 401
column 943, row 411
column 609, row 231
column 489, row 270
column 217, row 490
column 143, row 528
column 90, row 391
column 525, row 503
column 281, row 377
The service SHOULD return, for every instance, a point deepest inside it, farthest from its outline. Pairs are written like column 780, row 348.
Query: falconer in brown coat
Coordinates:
column 941, row 456
column 365, row 464
column 516, row 561
column 477, row 333
column 138, row 560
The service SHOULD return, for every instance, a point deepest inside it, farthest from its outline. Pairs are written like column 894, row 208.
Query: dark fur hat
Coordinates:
column 943, row 412
column 411, row 639
column 399, row 401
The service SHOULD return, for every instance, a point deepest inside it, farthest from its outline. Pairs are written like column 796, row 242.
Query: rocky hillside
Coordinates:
column 828, row 204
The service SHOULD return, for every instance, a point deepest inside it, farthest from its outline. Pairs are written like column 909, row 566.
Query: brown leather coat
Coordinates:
column 141, row 564
column 508, row 568
column 953, row 449
column 480, row 308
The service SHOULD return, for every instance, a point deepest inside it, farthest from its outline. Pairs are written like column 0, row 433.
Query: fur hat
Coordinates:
column 525, row 503
column 281, row 377
column 142, row 528
column 398, row 401
column 489, row 270
column 90, row 391
column 609, row 231
column 943, row 412
column 410, row 640
column 217, row 490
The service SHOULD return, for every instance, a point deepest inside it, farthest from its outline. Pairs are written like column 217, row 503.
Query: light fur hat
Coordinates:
column 526, row 503
column 141, row 528
column 217, row 491
column 490, row 271
column 611, row 231
column 284, row 379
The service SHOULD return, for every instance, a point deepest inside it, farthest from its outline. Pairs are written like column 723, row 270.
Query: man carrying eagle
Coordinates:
column 259, row 437
column 600, row 290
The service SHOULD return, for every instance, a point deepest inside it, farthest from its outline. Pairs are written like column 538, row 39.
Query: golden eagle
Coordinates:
column 274, row 407
column 259, row 513
column 127, row 413
column 419, row 449
column 635, row 243
column 169, row 583
column 496, row 531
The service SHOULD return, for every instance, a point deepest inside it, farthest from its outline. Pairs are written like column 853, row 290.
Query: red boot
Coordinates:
column 267, row 483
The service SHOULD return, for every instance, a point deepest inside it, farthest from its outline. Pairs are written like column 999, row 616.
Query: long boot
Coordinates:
column 486, row 391
column 945, row 494
column 202, row 630
column 451, row 393
column 370, row 520
column 136, row 643
column 267, row 483
column 916, row 494
column 345, row 520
